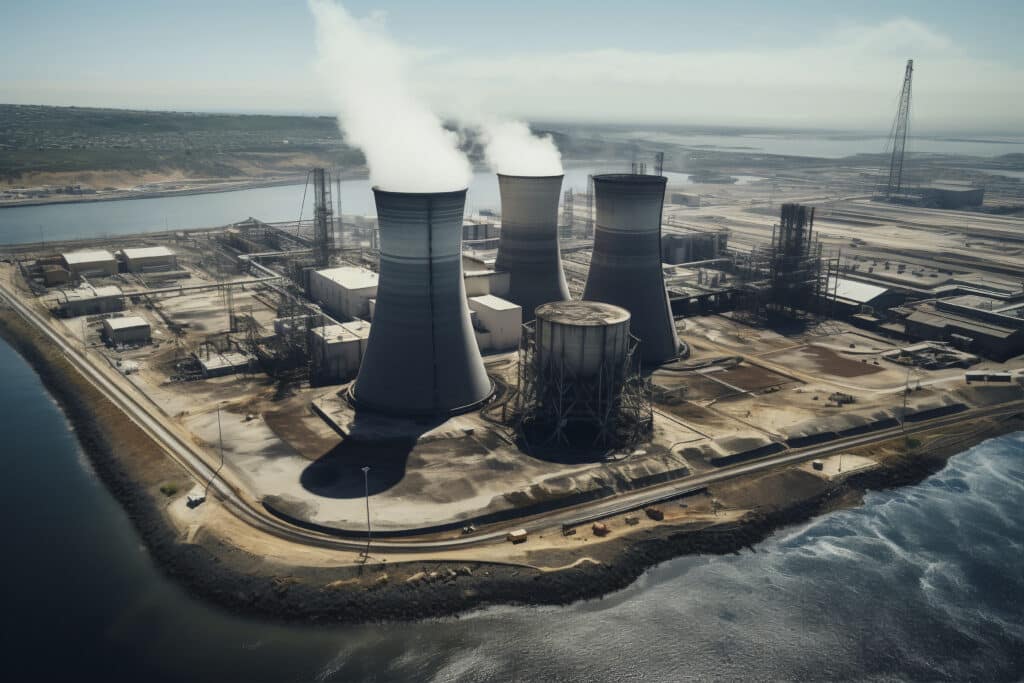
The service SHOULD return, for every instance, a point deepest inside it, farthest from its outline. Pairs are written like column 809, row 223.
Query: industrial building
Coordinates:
column 950, row 195
column 694, row 245
column 89, row 300
column 496, row 323
column 789, row 278
column 850, row 297
column 127, row 330
column 684, row 199
column 625, row 268
column 89, row 262
column 421, row 357
column 996, row 334
column 55, row 275
column 480, row 277
column 480, row 234
column 337, row 350
column 148, row 259
column 344, row 292
column 528, row 247
column 214, row 363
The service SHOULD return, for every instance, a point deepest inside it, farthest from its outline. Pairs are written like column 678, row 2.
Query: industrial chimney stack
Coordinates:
column 625, row 268
column 528, row 246
column 421, row 357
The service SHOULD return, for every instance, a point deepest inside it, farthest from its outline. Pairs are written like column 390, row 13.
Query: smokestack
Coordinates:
column 421, row 357
column 528, row 246
column 625, row 268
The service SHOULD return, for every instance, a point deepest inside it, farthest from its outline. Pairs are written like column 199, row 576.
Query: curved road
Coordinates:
column 190, row 458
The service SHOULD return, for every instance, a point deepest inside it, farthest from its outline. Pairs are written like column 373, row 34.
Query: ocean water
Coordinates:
column 923, row 582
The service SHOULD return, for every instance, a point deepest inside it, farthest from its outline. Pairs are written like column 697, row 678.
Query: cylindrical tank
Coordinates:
column 528, row 243
column 581, row 337
column 625, row 267
column 421, row 356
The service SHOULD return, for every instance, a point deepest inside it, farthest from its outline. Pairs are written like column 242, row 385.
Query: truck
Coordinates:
column 517, row 536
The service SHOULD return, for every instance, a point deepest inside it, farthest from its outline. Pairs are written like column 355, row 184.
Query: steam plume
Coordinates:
column 512, row 149
column 406, row 146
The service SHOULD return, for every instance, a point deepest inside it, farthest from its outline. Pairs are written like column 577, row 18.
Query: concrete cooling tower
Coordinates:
column 528, row 246
column 625, row 268
column 421, row 357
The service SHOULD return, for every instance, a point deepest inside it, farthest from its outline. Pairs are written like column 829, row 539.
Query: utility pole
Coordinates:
column 366, row 488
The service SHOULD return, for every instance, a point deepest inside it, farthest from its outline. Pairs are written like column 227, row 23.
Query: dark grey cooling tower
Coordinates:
column 421, row 357
column 625, row 269
column 528, row 246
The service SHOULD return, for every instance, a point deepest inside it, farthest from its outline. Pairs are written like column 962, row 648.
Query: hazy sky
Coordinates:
column 818, row 64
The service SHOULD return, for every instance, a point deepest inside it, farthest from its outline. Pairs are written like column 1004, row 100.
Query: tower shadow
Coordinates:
column 379, row 442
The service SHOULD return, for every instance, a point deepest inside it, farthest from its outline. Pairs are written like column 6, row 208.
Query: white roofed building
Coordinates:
column 141, row 259
column 95, row 262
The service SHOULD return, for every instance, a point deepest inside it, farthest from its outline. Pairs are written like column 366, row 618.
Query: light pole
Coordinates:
column 220, row 441
column 906, row 391
column 366, row 489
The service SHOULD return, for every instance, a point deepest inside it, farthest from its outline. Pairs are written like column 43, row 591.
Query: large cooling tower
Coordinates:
column 421, row 357
column 625, row 269
column 528, row 246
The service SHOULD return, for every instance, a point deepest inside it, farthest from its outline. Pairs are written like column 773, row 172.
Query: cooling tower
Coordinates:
column 528, row 246
column 421, row 357
column 625, row 268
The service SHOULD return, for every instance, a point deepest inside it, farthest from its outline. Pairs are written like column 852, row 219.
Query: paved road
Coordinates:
column 194, row 461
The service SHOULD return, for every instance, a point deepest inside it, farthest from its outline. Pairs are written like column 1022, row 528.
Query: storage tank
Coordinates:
column 421, row 356
column 580, row 338
column 528, row 242
column 625, row 268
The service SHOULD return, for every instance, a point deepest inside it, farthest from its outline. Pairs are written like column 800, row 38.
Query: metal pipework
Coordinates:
column 421, row 356
column 625, row 268
column 528, row 244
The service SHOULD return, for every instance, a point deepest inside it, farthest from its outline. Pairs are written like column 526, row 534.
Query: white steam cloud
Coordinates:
column 406, row 146
column 512, row 149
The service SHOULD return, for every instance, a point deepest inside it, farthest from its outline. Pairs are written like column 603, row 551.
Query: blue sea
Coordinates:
column 923, row 582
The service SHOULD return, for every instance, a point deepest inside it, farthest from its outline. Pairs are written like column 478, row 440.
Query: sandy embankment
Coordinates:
column 133, row 468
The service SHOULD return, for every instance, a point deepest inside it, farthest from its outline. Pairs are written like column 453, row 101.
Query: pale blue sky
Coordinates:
column 736, row 63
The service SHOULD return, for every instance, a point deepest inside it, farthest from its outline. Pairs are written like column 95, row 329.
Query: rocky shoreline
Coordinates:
column 131, row 467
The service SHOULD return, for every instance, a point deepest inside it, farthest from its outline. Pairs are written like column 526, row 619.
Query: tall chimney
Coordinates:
column 421, row 357
column 625, row 268
column 528, row 245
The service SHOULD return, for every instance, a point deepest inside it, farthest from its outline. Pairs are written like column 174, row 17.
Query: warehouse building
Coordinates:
column 687, row 247
column 89, row 262
column 496, row 322
column 483, row 282
column 949, row 195
column 89, row 301
column 148, row 259
column 344, row 292
column 684, row 199
column 853, row 297
column 481, row 277
column 995, row 335
column 337, row 350
column 55, row 275
column 128, row 330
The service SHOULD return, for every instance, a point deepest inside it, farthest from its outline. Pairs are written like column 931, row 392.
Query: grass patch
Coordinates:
column 169, row 489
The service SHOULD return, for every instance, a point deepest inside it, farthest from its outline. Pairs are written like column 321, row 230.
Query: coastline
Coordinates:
column 132, row 468
column 224, row 186
column 214, row 187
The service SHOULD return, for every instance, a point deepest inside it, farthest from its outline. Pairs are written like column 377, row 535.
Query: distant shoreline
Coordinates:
column 215, row 188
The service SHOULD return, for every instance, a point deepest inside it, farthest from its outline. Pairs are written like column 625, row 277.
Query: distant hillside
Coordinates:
column 40, row 140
